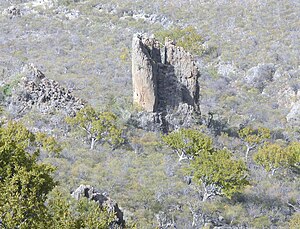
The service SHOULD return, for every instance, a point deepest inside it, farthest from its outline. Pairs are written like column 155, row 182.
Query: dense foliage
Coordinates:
column 219, row 173
column 97, row 126
column 273, row 156
column 215, row 171
column 187, row 37
column 66, row 213
column 253, row 137
column 188, row 143
column 26, row 183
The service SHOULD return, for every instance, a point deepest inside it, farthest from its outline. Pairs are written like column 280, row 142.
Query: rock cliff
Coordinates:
column 165, row 78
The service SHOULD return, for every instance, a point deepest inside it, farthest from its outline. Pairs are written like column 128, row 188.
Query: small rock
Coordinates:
column 12, row 11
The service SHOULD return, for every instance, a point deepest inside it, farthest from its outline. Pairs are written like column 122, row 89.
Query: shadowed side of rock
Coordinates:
column 87, row 191
column 165, row 84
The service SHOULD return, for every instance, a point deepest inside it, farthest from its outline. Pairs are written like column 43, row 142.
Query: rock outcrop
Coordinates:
column 165, row 78
column 11, row 12
column 260, row 75
column 133, row 14
column 35, row 90
column 103, row 200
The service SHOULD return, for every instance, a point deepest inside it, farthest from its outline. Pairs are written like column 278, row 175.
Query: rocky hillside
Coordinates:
column 236, row 80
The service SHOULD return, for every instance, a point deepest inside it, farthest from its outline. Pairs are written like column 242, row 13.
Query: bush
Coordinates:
column 188, row 38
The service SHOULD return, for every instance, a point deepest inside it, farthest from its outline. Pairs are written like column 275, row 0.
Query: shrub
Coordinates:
column 187, row 37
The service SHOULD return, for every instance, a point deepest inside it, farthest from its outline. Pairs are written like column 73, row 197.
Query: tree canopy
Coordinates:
column 24, row 182
column 273, row 156
column 97, row 126
column 216, row 171
column 188, row 143
column 219, row 173
column 66, row 212
column 253, row 137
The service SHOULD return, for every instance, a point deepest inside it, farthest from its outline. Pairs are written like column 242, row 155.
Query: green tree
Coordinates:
column 273, row 156
column 294, row 221
column 24, row 183
column 187, row 37
column 253, row 137
column 97, row 126
column 215, row 171
column 219, row 174
column 188, row 143
column 48, row 143
column 66, row 212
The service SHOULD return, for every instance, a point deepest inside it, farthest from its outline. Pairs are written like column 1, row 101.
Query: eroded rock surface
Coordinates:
column 165, row 79
column 35, row 90
column 87, row 191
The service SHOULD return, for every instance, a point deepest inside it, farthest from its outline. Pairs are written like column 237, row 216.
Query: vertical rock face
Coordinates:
column 145, row 56
column 163, row 78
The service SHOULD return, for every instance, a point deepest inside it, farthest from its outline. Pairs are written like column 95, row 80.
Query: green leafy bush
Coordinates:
column 187, row 37
column 68, row 213
column 273, row 156
column 219, row 173
column 215, row 171
column 97, row 126
column 24, row 182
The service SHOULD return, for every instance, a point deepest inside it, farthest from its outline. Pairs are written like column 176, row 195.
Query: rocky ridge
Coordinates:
column 127, row 14
column 35, row 90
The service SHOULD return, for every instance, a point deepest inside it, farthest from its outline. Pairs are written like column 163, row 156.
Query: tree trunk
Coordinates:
column 273, row 171
column 93, row 143
column 247, row 153
column 206, row 196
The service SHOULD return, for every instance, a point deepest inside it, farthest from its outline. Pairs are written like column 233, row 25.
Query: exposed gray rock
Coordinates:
column 152, row 18
column 163, row 78
column 260, row 75
column 12, row 11
column 103, row 200
column 145, row 56
column 294, row 114
column 183, row 117
column 165, row 83
column 35, row 90
column 124, row 14
column 227, row 69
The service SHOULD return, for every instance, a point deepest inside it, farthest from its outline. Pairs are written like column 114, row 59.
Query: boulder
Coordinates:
column 294, row 114
column 87, row 191
column 12, row 11
column 260, row 75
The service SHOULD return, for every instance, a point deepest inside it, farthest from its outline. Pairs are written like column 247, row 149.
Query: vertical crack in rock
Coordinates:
column 165, row 79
